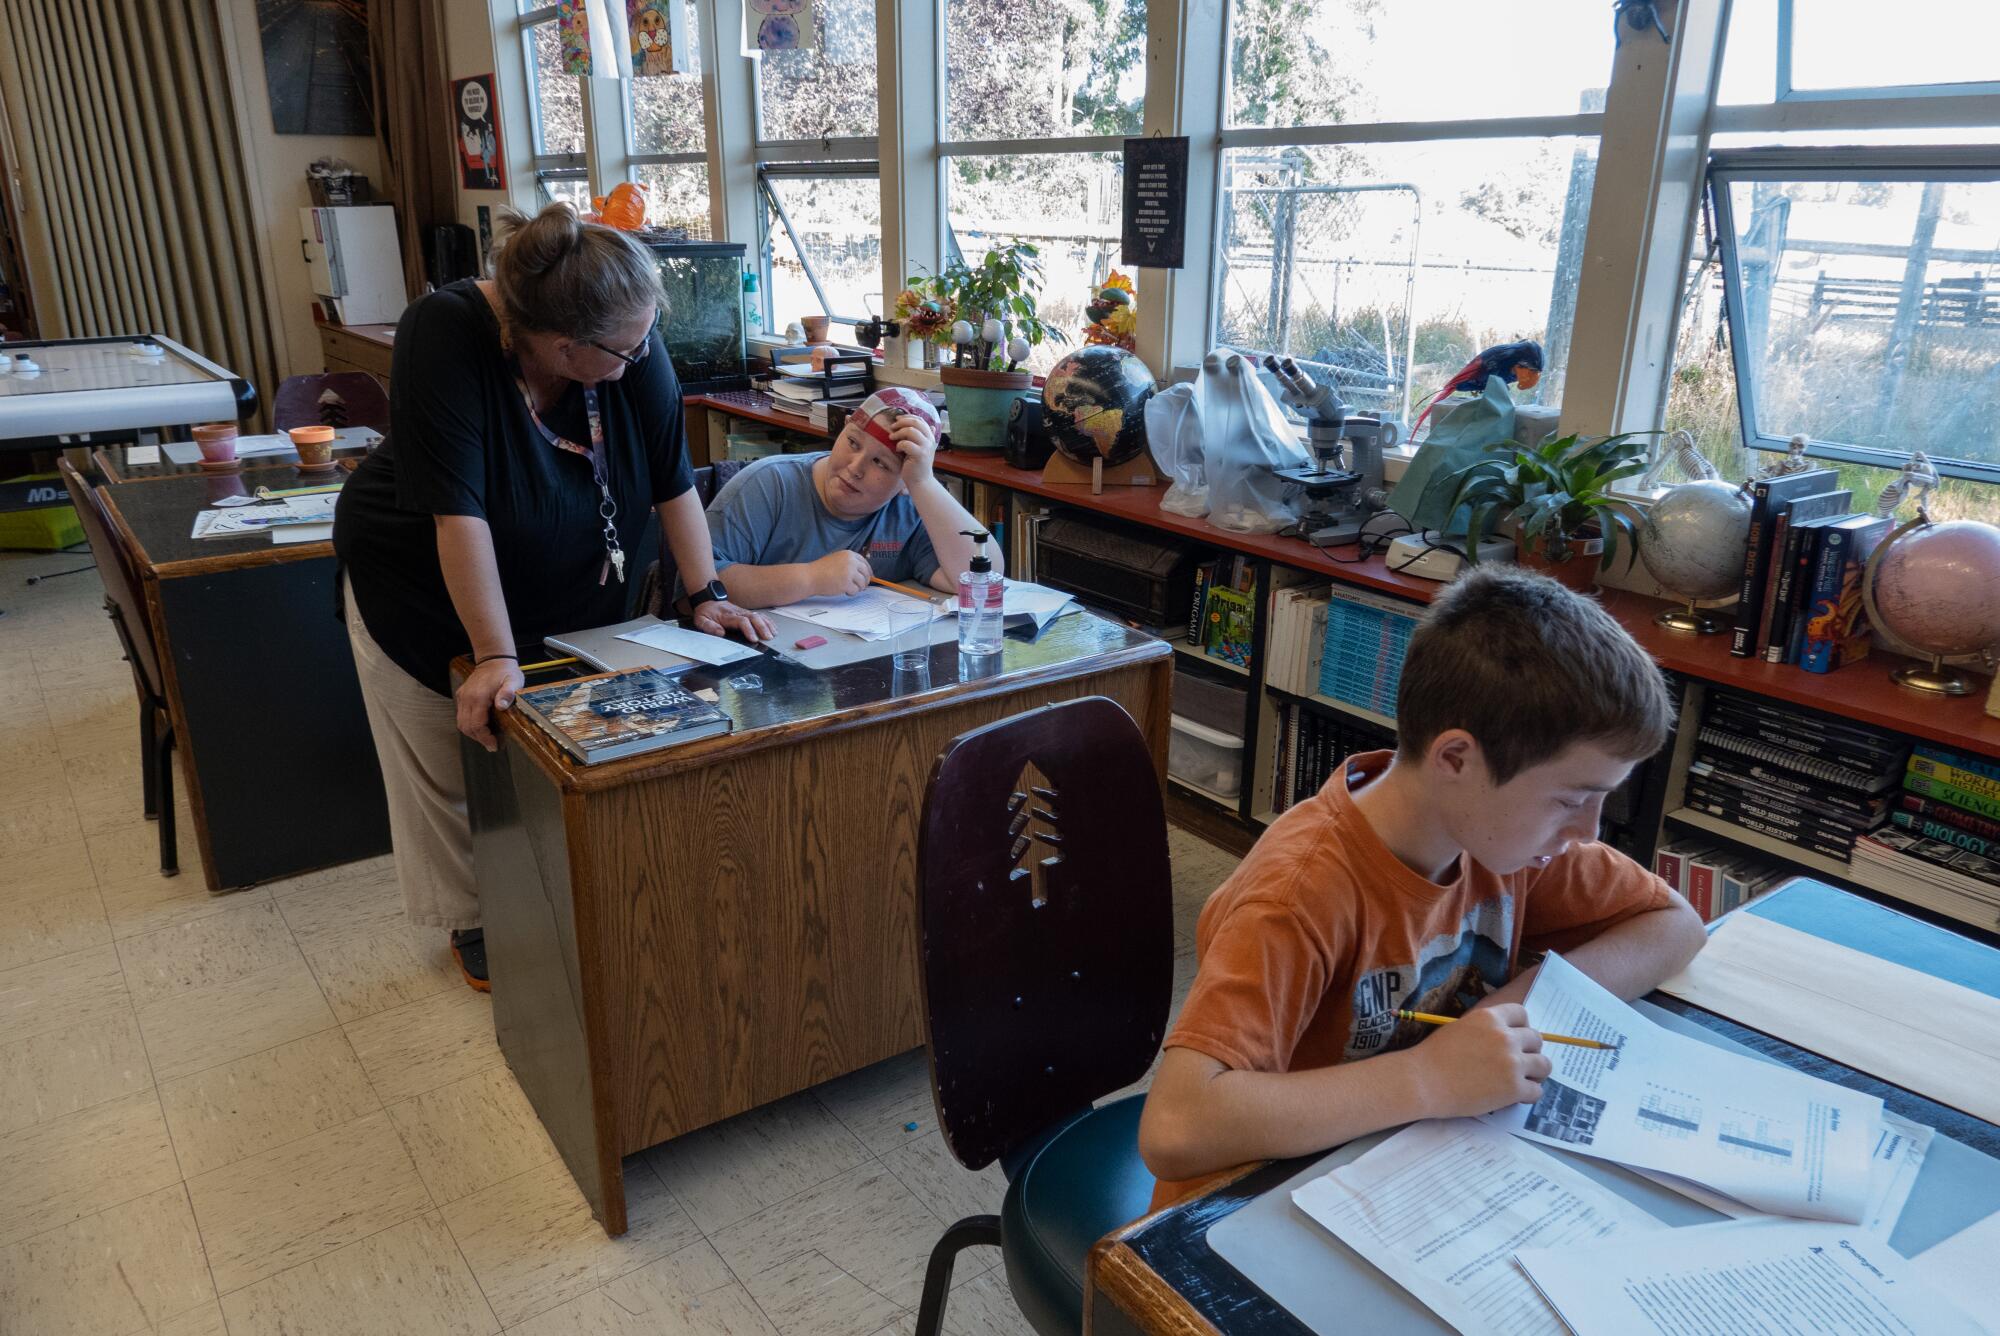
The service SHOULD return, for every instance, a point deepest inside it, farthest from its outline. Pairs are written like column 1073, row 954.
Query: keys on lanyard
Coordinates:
column 600, row 473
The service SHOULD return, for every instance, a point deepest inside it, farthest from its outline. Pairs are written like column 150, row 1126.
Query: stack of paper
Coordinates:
column 238, row 521
column 864, row 615
column 1774, row 1139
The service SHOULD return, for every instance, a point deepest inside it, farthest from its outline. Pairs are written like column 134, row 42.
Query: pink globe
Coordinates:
column 1938, row 587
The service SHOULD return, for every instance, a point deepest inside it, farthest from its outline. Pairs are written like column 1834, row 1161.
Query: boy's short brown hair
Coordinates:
column 1527, row 667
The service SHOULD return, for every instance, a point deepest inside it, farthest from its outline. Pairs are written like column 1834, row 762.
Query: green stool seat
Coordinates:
column 1086, row 1181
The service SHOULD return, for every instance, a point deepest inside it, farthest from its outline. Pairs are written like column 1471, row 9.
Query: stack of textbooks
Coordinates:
column 799, row 389
column 1311, row 742
column 1361, row 661
column 611, row 715
column 1945, row 840
column 1814, row 781
column 1714, row 877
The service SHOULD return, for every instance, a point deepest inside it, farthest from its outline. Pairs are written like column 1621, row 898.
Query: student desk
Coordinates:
column 1160, row 1276
column 683, row 935
column 280, row 766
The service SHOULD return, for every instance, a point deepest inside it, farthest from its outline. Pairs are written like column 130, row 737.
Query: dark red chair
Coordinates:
column 1045, row 942
column 127, row 610
column 333, row 399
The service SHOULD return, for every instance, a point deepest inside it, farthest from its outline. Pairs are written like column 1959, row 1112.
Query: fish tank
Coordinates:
column 703, row 324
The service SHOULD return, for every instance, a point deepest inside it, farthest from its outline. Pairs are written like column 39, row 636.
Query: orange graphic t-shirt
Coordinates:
column 1321, row 935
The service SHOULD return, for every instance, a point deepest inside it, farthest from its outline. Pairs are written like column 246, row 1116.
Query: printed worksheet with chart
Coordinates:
column 1441, row 1207
column 1773, row 1139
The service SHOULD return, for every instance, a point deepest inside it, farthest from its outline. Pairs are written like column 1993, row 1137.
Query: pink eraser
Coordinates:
column 810, row 642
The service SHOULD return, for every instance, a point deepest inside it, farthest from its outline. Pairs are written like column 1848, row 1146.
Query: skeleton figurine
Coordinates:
column 1795, row 460
column 1680, row 451
column 1918, row 476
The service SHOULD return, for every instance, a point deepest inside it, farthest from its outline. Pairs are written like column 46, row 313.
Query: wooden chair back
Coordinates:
column 120, row 576
column 1044, row 921
column 363, row 402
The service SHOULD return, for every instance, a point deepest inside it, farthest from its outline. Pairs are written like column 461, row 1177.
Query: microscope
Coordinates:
column 1339, row 501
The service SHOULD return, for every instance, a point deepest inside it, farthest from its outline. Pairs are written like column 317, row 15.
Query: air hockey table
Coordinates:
column 61, row 392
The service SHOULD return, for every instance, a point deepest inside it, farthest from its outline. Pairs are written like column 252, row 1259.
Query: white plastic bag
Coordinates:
column 1173, row 435
column 1245, row 436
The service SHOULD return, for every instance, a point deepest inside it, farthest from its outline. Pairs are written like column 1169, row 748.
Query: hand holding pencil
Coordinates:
column 1547, row 1037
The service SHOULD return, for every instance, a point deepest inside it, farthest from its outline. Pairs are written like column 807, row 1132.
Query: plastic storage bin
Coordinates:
column 1205, row 747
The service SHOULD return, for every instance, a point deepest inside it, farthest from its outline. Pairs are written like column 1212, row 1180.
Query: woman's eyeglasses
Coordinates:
column 637, row 355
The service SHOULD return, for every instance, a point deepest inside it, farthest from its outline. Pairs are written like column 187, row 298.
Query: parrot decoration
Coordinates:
column 1515, row 363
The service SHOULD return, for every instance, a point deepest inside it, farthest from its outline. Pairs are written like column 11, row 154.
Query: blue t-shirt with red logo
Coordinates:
column 770, row 515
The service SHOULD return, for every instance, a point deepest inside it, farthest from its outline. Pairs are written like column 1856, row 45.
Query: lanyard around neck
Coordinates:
column 600, row 469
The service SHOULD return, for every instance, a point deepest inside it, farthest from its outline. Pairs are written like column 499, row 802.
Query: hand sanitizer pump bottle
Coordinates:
column 981, row 599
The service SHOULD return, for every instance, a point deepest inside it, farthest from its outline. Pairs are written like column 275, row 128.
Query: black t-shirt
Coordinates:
column 461, row 442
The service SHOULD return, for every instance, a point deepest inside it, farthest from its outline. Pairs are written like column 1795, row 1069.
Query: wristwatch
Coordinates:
column 712, row 592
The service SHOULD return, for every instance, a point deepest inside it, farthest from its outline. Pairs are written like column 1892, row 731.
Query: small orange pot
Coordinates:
column 315, row 446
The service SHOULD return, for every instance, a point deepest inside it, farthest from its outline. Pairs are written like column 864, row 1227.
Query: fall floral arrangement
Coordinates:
column 1114, row 318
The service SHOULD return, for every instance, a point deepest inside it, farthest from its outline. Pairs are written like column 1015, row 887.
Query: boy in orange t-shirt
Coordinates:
column 1419, row 880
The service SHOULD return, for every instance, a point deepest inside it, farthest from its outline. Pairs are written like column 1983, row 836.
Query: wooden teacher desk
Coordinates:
column 683, row 935
column 280, row 765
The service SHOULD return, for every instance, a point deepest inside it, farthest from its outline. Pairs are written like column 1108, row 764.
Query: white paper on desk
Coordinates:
column 1774, row 1139
column 137, row 455
column 865, row 614
column 1744, row 1276
column 1442, row 1206
column 1900, row 1147
column 696, row 645
column 314, row 509
column 1023, row 601
column 301, row 533
column 267, row 443
column 1962, row 1269
column 182, row 452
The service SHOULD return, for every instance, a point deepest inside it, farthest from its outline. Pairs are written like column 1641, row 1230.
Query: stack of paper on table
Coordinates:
column 646, row 642
column 865, row 615
column 238, row 521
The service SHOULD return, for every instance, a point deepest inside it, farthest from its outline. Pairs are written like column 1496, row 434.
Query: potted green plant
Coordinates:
column 1553, row 499
column 986, row 313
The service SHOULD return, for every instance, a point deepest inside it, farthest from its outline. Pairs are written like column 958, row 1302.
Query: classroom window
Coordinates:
column 1392, row 203
column 1355, row 62
column 666, row 136
column 823, row 239
column 1864, row 302
column 555, row 99
column 1015, row 71
column 1068, row 205
column 827, row 91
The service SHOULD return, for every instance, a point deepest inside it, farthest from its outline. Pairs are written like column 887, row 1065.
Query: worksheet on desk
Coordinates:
column 1441, row 1207
column 1776, row 1276
column 865, row 614
column 1776, row 1140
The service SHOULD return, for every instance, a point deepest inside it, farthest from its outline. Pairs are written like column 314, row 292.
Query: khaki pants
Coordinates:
column 416, row 740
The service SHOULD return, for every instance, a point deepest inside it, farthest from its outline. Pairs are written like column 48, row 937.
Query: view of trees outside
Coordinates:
column 1871, row 318
column 666, row 108
column 827, row 91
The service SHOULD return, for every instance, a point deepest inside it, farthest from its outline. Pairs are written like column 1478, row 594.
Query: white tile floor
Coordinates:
column 278, row 1111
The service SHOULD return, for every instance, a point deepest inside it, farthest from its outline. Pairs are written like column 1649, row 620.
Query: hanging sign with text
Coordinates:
column 1156, row 173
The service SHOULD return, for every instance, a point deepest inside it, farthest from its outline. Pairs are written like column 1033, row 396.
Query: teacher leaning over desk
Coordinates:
column 534, row 426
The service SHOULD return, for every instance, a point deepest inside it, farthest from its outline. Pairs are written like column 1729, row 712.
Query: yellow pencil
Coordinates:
column 546, row 663
column 1429, row 1019
column 928, row 596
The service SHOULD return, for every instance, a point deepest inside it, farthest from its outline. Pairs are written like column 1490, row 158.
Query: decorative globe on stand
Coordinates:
column 1093, row 406
column 1933, row 587
column 1693, row 541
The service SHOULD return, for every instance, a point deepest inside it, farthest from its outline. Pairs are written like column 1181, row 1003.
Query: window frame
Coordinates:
column 547, row 167
column 1886, row 92
column 1907, row 164
column 769, row 204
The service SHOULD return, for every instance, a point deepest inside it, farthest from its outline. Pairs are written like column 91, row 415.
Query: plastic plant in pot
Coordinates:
column 988, row 318
column 1555, row 500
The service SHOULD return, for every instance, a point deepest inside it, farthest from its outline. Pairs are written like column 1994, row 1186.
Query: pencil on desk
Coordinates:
column 928, row 596
column 546, row 663
column 1429, row 1019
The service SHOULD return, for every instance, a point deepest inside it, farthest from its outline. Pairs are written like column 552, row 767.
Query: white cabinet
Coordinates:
column 357, row 268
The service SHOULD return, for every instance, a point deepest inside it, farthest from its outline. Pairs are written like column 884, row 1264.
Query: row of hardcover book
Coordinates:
column 1800, row 597
column 1311, row 743
column 1715, row 877
column 1943, row 840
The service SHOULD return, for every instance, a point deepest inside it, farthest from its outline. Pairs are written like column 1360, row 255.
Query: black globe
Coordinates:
column 1094, row 405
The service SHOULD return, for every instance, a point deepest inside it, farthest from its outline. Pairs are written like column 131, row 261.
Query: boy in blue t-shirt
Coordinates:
column 821, row 526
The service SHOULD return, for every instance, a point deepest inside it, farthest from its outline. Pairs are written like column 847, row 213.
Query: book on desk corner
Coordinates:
column 610, row 715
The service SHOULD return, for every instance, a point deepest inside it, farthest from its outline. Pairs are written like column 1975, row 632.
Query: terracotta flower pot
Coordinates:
column 815, row 327
column 315, row 446
column 217, row 441
column 1578, row 572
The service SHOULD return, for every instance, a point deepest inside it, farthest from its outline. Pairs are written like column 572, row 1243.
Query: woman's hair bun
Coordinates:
column 561, row 275
column 540, row 243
